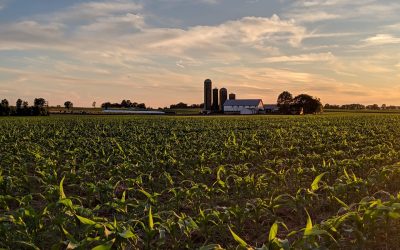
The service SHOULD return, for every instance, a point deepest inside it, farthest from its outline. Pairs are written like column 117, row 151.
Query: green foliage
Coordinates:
column 314, row 185
column 273, row 232
column 238, row 239
column 263, row 182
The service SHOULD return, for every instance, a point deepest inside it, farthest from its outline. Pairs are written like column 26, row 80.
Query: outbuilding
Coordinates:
column 271, row 108
column 243, row 106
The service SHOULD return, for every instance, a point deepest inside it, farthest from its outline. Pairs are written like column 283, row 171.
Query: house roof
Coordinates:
column 243, row 102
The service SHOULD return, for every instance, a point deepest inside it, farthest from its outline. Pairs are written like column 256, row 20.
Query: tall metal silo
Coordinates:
column 223, row 96
column 232, row 96
column 207, row 94
column 215, row 100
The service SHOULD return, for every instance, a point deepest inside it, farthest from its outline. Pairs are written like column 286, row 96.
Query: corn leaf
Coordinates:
column 127, row 234
column 273, row 232
column 238, row 239
column 211, row 247
column 341, row 203
column 85, row 221
column 27, row 245
column 309, row 225
column 62, row 194
column 314, row 185
column 151, row 222
column 107, row 246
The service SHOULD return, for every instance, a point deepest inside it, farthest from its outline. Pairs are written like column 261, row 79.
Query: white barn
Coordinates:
column 243, row 106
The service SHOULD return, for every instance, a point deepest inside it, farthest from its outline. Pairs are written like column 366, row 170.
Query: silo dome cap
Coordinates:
column 208, row 81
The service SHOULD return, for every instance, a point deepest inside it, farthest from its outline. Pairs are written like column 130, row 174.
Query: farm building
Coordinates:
column 243, row 106
column 271, row 108
column 133, row 112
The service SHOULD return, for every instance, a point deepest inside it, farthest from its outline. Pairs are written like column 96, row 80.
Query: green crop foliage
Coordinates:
column 262, row 182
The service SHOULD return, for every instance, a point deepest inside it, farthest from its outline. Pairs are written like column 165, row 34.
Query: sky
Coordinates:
column 160, row 51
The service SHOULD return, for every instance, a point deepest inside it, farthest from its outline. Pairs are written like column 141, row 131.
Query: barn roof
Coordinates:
column 271, row 105
column 243, row 102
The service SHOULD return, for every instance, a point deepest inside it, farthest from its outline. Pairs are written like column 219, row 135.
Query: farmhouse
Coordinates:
column 243, row 106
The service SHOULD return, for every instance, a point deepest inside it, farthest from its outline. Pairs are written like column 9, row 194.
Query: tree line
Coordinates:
column 22, row 108
column 124, row 104
column 301, row 104
column 182, row 105
column 361, row 106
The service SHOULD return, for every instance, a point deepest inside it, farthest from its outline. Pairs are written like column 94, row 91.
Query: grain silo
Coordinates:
column 223, row 96
column 207, row 94
column 215, row 100
column 232, row 96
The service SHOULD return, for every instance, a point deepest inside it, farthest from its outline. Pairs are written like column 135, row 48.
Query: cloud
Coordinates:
column 121, row 35
column 88, row 11
column 248, row 30
column 330, row 3
column 114, row 49
column 103, row 8
column 325, row 10
column 127, row 23
column 31, row 34
column 305, row 58
column 313, row 16
column 381, row 39
column 379, row 10
column 273, row 81
column 3, row 4
column 211, row 1
column 395, row 26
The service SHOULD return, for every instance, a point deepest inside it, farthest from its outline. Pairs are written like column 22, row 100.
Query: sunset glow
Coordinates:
column 160, row 51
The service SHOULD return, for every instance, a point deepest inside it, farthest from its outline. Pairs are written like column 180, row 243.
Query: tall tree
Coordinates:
column 68, row 105
column 284, row 101
column 25, row 105
column 18, row 104
column 4, row 107
column 141, row 105
column 309, row 104
column 5, row 103
column 39, row 102
column 124, row 104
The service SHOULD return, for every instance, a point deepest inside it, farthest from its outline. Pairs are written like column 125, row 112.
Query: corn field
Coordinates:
column 263, row 182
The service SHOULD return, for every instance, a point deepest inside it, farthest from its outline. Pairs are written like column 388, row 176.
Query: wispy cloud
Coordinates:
column 305, row 58
column 322, row 10
column 295, row 81
column 211, row 1
column 381, row 39
column 89, row 11
column 311, row 17
column 394, row 26
column 249, row 30
column 2, row 4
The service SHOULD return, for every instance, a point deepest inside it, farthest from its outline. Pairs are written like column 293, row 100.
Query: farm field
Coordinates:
column 136, row 182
